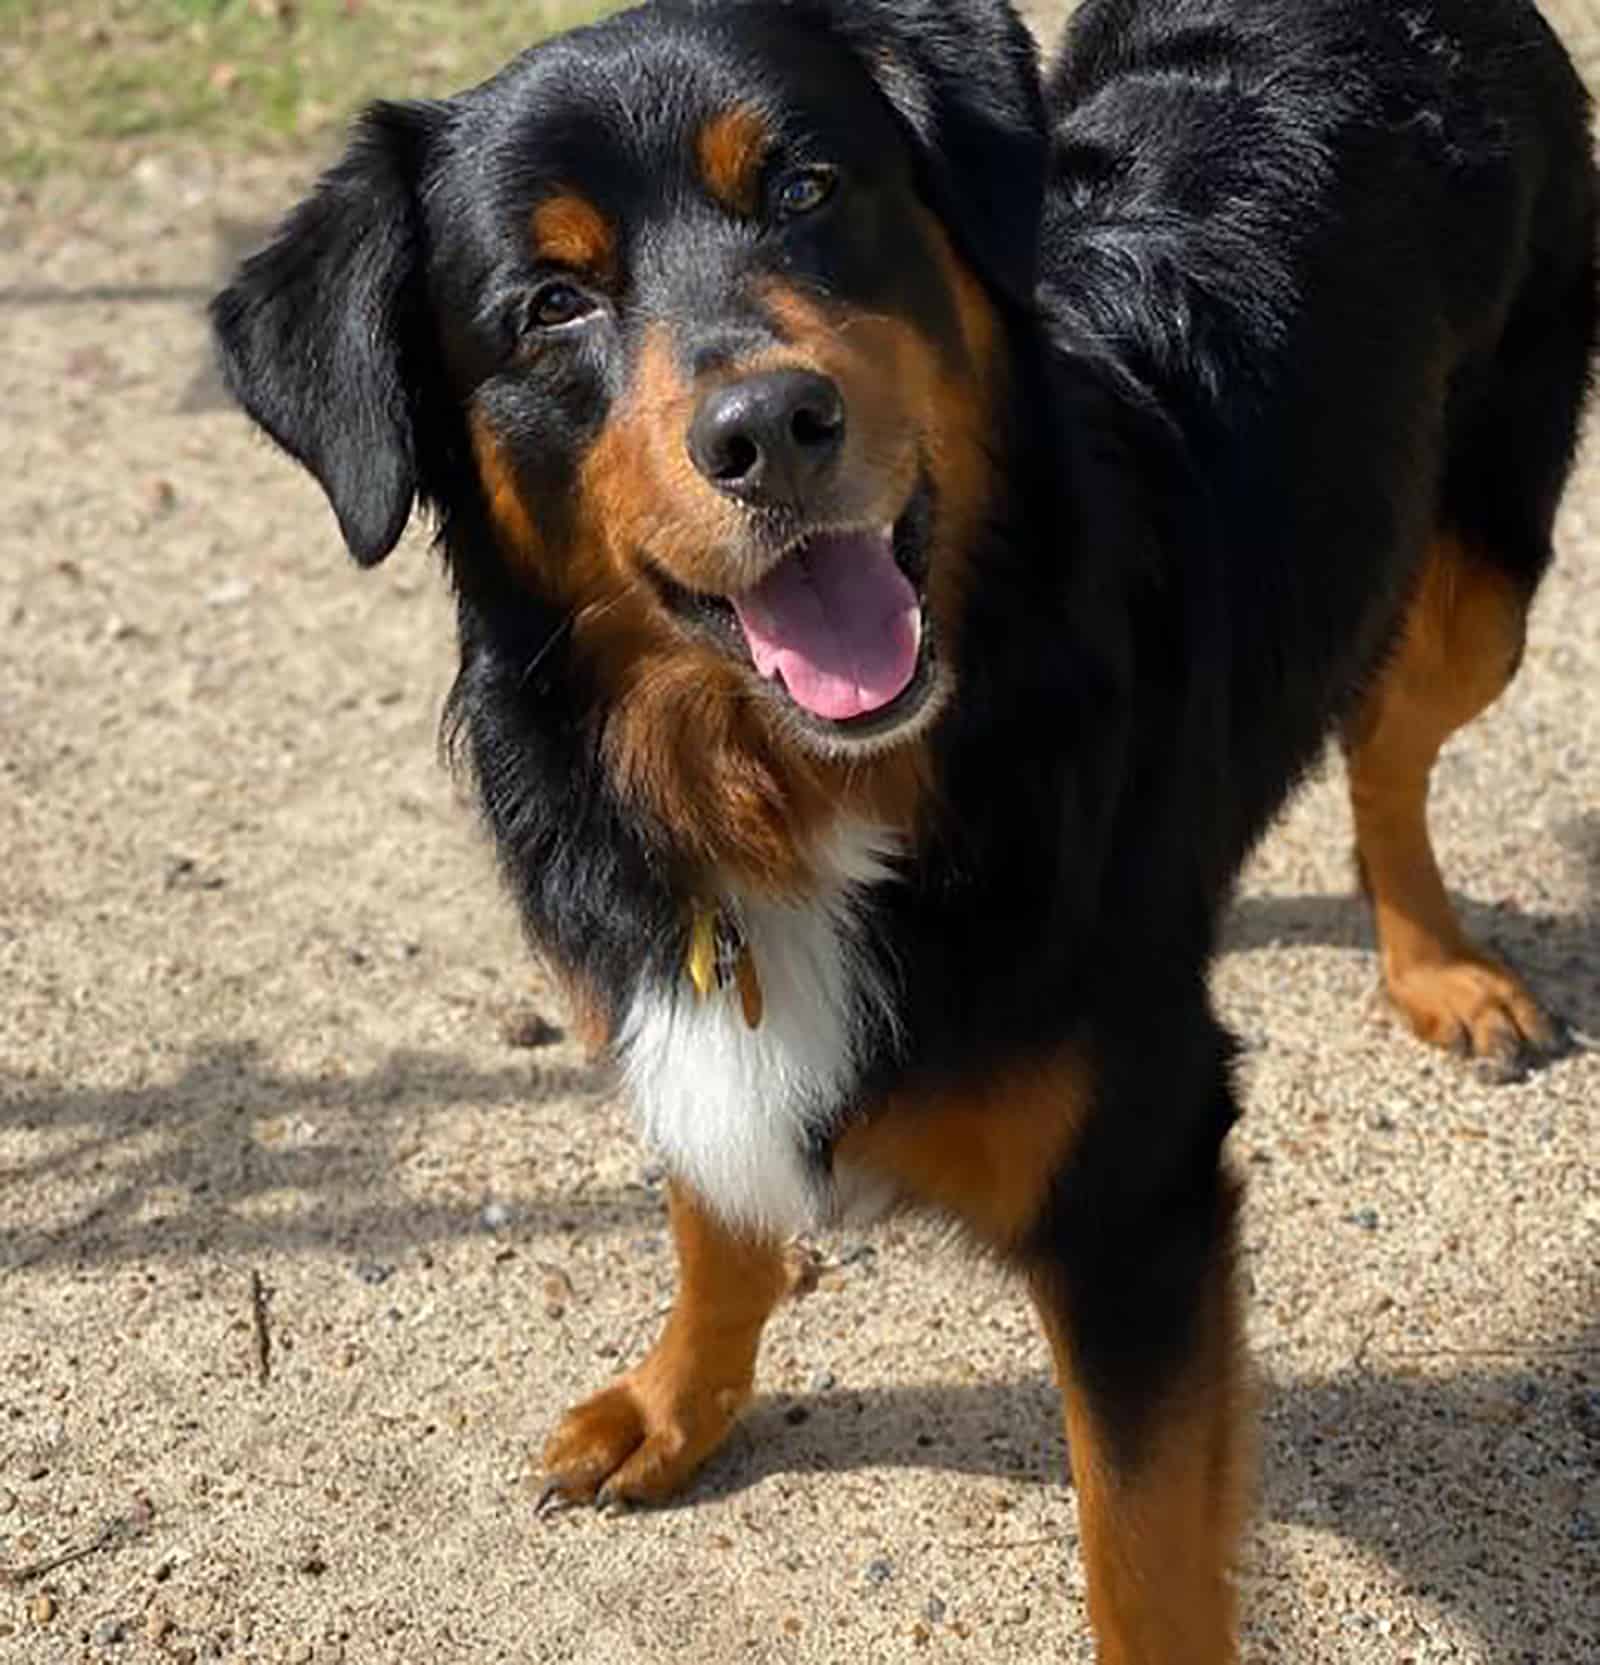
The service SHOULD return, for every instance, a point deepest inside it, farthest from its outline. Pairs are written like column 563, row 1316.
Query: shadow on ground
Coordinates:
column 175, row 1166
column 1558, row 953
column 1485, row 1467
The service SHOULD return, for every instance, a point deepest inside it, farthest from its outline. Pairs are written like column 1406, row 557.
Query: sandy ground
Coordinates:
column 263, row 1045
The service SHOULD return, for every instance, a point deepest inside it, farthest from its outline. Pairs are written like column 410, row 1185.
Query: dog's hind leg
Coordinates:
column 642, row 1438
column 1513, row 429
column 1459, row 645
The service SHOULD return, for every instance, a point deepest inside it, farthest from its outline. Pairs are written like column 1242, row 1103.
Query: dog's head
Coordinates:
column 699, row 314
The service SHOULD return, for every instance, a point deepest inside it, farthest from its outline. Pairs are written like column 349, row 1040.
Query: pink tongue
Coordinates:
column 838, row 621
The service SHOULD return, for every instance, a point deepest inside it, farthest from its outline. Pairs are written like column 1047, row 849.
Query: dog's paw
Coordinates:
column 1477, row 1008
column 639, row 1441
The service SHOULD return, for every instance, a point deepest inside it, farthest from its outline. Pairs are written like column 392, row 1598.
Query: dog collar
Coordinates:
column 719, row 956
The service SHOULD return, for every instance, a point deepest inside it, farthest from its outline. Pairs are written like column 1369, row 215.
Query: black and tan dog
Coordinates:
column 913, row 526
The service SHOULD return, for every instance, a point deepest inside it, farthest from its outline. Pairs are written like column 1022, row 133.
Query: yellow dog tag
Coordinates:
column 703, row 948
column 719, row 955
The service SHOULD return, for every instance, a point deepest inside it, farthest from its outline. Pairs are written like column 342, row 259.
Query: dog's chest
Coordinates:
column 739, row 1110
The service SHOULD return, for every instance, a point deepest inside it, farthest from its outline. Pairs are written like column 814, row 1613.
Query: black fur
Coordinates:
column 320, row 333
column 1286, row 285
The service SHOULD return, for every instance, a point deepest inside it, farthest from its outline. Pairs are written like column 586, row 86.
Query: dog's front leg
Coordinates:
column 1139, row 1307
column 641, row 1439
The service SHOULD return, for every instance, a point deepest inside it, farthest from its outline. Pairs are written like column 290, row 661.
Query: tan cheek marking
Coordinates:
column 731, row 148
column 963, row 406
column 639, row 487
column 569, row 230
column 518, row 534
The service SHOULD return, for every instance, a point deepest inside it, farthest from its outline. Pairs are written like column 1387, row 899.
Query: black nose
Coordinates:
column 769, row 438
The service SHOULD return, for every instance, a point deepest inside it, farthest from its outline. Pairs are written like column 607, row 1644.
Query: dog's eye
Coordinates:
column 803, row 191
column 558, row 303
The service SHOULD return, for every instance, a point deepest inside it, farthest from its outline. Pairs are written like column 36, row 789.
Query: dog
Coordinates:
column 914, row 520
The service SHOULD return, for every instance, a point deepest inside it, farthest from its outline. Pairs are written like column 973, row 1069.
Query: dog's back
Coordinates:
column 1348, row 249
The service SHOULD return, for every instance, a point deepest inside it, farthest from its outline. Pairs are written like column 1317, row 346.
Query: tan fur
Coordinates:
column 643, row 1437
column 519, row 536
column 568, row 230
column 731, row 148
column 1160, row 1528
column 983, row 1154
column 1460, row 645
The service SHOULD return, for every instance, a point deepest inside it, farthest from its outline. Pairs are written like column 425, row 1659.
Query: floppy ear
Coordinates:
column 316, row 331
column 963, row 75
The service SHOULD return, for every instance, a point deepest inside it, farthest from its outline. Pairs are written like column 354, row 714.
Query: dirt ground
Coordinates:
column 266, row 1072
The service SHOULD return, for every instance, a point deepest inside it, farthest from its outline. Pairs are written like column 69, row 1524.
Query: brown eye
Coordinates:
column 803, row 191
column 558, row 303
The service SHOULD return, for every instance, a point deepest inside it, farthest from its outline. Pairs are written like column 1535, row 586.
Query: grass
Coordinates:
column 86, row 87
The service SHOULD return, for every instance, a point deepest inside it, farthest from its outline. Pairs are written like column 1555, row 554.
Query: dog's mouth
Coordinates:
column 839, row 625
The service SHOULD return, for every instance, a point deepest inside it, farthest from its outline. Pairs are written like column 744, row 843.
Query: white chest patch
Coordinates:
column 733, row 1110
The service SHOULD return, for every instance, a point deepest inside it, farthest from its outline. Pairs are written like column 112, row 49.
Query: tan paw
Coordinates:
column 1475, row 1007
column 636, row 1442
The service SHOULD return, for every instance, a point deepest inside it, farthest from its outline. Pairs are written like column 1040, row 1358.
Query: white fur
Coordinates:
column 732, row 1109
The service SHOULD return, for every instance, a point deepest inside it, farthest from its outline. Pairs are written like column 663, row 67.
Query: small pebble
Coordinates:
column 795, row 1415
column 495, row 1215
column 371, row 1271
column 823, row 1382
column 8, row 1501
column 529, row 1030
column 300, row 1653
column 879, row 1571
column 158, row 1627
column 933, row 1610
column 42, row 1609
column 107, row 1633
column 1585, row 1527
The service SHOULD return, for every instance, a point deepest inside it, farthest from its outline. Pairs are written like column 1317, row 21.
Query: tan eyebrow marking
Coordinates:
column 570, row 231
column 732, row 147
